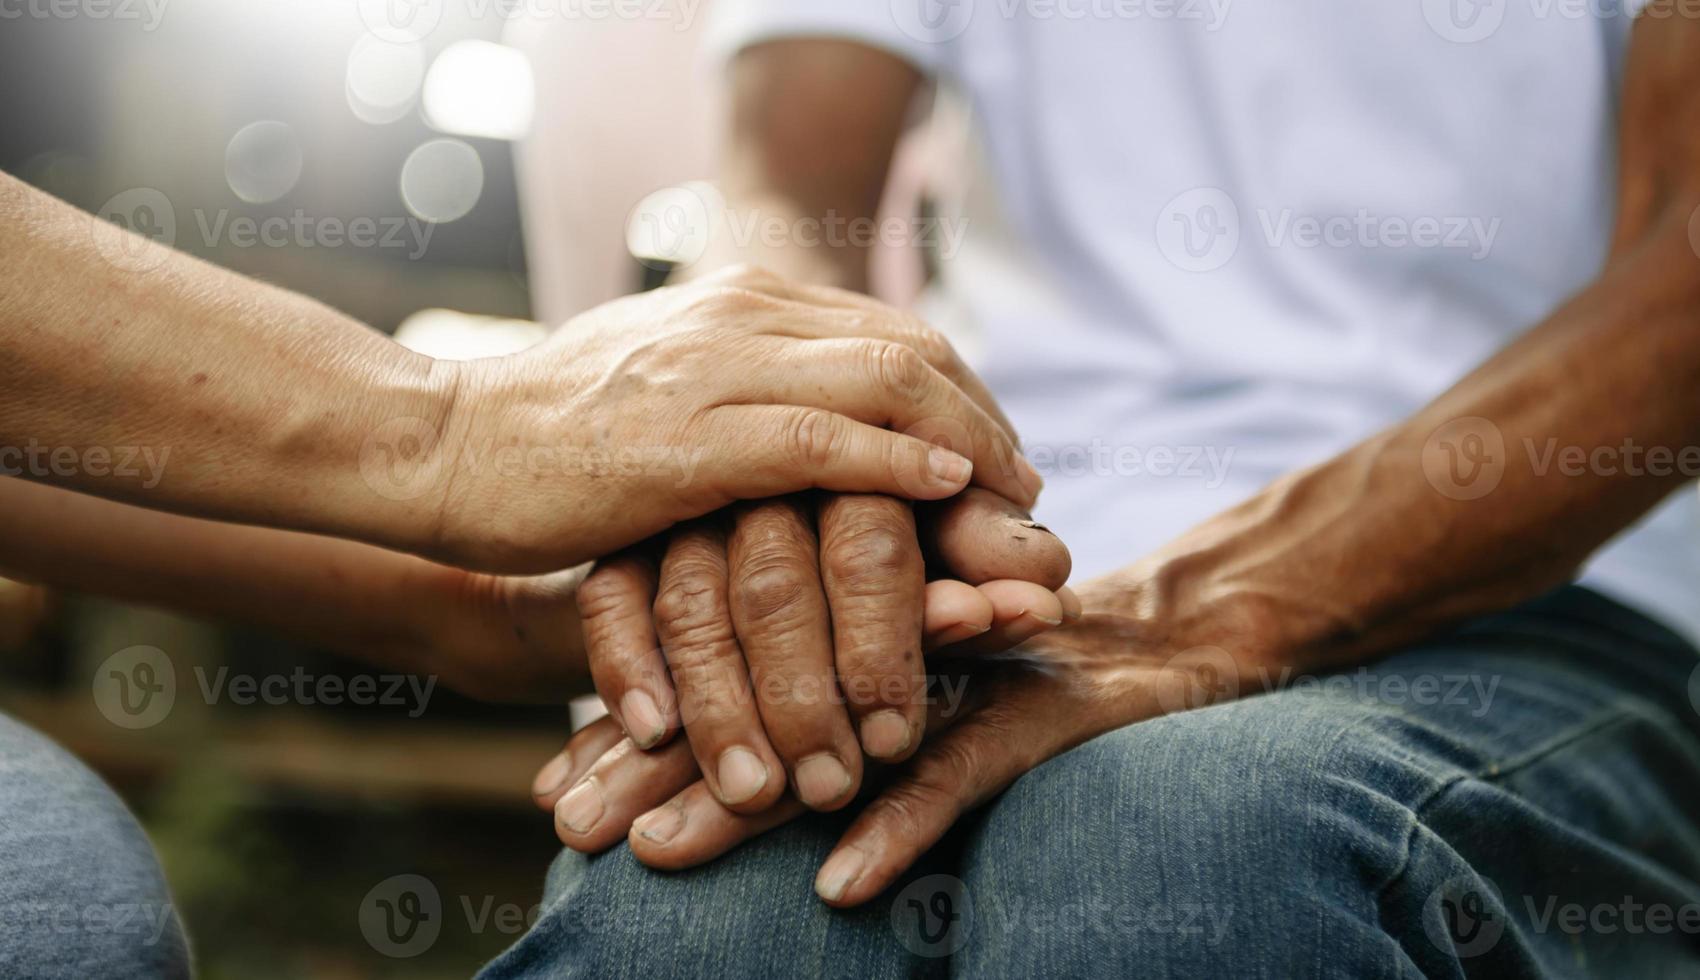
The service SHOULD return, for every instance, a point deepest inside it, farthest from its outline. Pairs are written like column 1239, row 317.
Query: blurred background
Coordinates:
column 364, row 154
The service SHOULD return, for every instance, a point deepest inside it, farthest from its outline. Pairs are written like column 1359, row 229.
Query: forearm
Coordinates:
column 253, row 403
column 349, row 597
column 812, row 128
column 1379, row 546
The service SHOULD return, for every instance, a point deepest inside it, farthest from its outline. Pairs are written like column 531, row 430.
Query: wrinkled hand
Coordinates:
column 668, row 405
column 1114, row 667
column 786, row 652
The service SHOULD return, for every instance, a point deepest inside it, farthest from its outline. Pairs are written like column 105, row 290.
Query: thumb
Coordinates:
column 978, row 537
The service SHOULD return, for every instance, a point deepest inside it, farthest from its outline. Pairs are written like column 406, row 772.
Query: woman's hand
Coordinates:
column 669, row 405
column 786, row 638
column 252, row 405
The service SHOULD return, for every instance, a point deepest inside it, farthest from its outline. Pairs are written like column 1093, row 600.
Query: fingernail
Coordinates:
column 1030, row 614
column 551, row 776
column 838, row 873
column 885, row 734
column 643, row 719
column 960, row 632
column 661, row 825
column 742, row 775
column 582, row 808
column 948, row 466
column 1036, row 526
column 822, row 779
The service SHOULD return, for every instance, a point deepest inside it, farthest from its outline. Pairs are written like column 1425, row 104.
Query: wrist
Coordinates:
column 396, row 447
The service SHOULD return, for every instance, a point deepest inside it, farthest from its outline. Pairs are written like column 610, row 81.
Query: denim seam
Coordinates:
column 1491, row 774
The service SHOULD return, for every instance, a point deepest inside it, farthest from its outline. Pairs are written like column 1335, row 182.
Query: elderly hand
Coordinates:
column 767, row 632
column 1117, row 665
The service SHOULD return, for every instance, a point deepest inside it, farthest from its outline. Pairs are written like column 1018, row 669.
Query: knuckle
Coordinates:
column 909, row 809
column 770, row 589
column 934, row 347
column 814, row 436
column 870, row 552
column 748, row 274
column 899, row 368
column 604, row 594
column 730, row 303
column 691, row 607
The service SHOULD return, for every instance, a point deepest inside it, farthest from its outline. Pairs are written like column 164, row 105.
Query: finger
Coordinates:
column 875, row 583
column 860, row 315
column 784, row 449
column 694, row 625
column 952, row 612
column 889, row 385
column 693, row 828
column 978, row 536
column 615, row 603
column 785, row 630
column 1020, row 612
column 623, row 783
column 1073, row 610
column 572, row 762
column 956, row 771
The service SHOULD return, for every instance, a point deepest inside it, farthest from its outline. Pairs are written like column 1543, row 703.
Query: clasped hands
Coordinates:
column 768, row 655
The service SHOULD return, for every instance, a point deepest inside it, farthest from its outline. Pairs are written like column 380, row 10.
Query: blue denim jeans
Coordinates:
column 81, row 894
column 1520, row 798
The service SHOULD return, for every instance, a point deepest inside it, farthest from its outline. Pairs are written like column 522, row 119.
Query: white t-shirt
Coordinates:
column 1215, row 241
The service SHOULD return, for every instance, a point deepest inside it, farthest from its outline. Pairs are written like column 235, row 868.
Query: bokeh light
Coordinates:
column 262, row 162
column 441, row 180
column 383, row 78
column 477, row 88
